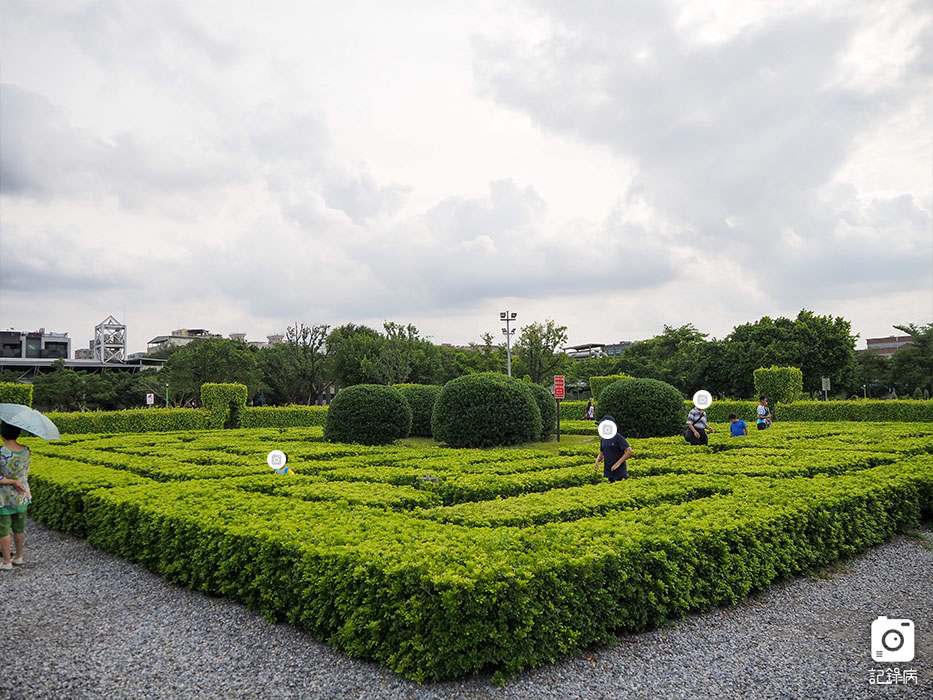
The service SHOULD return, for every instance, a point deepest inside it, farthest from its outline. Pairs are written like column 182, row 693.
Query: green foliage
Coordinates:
column 779, row 384
column 225, row 403
column 482, row 410
column 512, row 557
column 295, row 371
column 870, row 410
column 572, row 410
column 643, row 407
column 547, row 405
column 367, row 414
column 207, row 361
column 912, row 366
column 821, row 346
column 420, row 398
column 597, row 384
column 538, row 352
column 59, row 390
column 14, row 392
column 139, row 420
column 282, row 416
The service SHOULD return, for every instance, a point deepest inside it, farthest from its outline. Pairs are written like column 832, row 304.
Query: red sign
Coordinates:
column 558, row 387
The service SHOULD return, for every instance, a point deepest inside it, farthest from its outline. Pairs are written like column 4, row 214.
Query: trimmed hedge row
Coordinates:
column 15, row 392
column 224, row 402
column 874, row 410
column 134, row 420
column 435, row 601
column 283, row 416
column 597, row 384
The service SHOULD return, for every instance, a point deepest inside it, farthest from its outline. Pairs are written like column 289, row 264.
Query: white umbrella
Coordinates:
column 29, row 420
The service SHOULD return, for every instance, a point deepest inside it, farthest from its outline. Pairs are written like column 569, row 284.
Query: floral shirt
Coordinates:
column 14, row 465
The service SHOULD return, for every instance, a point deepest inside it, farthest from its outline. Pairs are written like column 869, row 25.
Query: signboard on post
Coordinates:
column 559, row 395
column 150, row 399
column 825, row 388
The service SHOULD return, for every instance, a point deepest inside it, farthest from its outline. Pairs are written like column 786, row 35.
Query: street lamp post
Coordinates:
column 507, row 332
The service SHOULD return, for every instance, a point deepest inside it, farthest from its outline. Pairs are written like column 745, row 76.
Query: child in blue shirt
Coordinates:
column 737, row 426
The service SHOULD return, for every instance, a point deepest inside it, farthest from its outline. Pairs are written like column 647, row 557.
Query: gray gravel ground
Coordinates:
column 80, row 623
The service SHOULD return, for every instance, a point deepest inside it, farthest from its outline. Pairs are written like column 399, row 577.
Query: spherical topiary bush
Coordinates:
column 548, row 407
column 482, row 410
column 367, row 414
column 643, row 408
column 421, row 398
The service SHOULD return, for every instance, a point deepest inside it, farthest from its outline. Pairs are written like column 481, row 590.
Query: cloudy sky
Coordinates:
column 613, row 165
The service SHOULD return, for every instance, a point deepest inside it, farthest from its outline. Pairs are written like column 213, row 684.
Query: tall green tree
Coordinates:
column 539, row 351
column 296, row 370
column 912, row 366
column 821, row 346
column 211, row 360
column 355, row 353
column 62, row 389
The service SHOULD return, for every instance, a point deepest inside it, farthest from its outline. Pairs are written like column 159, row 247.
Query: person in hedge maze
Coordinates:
column 697, row 427
column 764, row 414
column 737, row 426
column 590, row 412
column 14, row 495
column 613, row 452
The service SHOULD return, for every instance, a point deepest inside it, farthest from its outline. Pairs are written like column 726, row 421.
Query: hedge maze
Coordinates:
column 441, row 562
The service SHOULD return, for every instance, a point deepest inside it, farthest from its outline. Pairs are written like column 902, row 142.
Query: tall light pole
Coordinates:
column 507, row 332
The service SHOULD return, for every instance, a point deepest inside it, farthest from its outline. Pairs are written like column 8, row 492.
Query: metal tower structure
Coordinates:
column 110, row 341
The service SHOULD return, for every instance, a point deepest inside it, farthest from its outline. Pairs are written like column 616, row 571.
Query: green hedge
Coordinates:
column 15, row 392
column 367, row 414
column 436, row 600
column 572, row 410
column 875, row 410
column 135, row 420
column 597, row 384
column 283, row 416
column 643, row 408
column 483, row 410
column 547, row 405
column 779, row 384
column 420, row 398
column 225, row 403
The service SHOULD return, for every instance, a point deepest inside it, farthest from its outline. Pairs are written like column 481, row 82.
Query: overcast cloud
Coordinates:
column 616, row 166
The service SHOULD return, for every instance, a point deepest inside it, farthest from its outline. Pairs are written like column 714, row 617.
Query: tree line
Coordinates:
column 314, row 359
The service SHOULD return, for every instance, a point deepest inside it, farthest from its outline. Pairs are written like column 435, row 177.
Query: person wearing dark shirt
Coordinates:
column 613, row 452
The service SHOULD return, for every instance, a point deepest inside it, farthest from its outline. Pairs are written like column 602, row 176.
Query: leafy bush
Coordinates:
column 597, row 384
column 225, row 403
column 14, row 392
column 860, row 410
column 572, row 410
column 547, row 405
column 420, row 398
column 134, row 420
column 643, row 407
column 367, row 414
column 779, row 384
column 482, row 410
column 282, row 416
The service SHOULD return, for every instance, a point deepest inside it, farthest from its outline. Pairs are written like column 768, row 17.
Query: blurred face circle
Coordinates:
column 276, row 459
column 702, row 399
column 607, row 430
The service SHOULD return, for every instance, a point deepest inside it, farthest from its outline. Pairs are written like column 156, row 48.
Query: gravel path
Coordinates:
column 81, row 623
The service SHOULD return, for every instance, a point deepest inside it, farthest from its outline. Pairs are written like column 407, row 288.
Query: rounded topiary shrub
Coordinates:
column 548, row 407
column 482, row 410
column 643, row 407
column 367, row 414
column 421, row 398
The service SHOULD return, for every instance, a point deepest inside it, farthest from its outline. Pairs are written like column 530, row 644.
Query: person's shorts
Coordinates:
column 762, row 426
column 12, row 521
